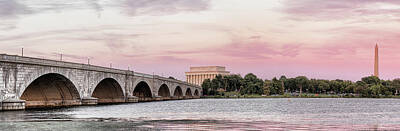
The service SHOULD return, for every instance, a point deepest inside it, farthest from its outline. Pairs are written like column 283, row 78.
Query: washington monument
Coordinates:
column 376, row 65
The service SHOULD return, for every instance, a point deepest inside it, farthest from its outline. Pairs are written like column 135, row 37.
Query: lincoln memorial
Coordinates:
column 198, row 74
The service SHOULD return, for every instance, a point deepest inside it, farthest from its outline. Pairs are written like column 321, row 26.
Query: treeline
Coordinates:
column 367, row 87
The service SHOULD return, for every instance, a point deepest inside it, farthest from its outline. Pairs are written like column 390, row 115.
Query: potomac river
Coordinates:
column 216, row 114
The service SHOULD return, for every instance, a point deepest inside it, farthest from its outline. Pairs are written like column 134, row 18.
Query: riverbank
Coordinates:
column 294, row 96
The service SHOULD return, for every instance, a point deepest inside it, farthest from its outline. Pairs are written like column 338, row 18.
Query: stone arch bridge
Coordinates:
column 27, row 82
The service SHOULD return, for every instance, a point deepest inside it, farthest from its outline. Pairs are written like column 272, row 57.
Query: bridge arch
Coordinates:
column 196, row 93
column 188, row 92
column 50, row 90
column 178, row 91
column 100, row 77
column 143, row 91
column 109, row 90
column 35, row 74
column 163, row 91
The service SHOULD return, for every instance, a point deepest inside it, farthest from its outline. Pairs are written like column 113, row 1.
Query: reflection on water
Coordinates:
column 216, row 114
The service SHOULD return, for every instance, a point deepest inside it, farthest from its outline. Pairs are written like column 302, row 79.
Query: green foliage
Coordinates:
column 232, row 82
column 371, row 80
column 274, row 86
column 206, row 86
column 302, row 81
column 252, row 86
column 267, row 87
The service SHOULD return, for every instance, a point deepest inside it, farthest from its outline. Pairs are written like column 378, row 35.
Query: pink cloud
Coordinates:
column 291, row 50
column 247, row 50
column 259, row 50
column 172, row 59
column 336, row 9
column 162, row 7
column 256, row 37
column 244, row 51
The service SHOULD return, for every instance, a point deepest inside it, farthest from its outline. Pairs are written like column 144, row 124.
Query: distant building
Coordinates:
column 198, row 74
column 376, row 63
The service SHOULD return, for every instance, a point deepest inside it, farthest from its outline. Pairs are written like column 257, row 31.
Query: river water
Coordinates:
column 216, row 114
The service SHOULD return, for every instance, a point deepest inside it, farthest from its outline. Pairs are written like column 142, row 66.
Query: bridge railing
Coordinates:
column 143, row 75
column 46, row 62
column 175, row 80
column 167, row 79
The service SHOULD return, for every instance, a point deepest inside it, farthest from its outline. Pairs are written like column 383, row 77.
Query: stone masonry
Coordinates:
column 17, row 73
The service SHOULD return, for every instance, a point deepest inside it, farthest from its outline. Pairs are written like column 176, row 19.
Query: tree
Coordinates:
column 314, row 86
column 345, row 85
column 387, row 88
column 274, row 87
column 335, row 86
column 370, row 86
column 371, row 80
column 252, row 85
column 290, row 84
column 374, row 90
column 282, row 89
column 267, row 86
column 360, row 87
column 323, row 85
column 215, row 85
column 396, row 85
column 206, row 86
column 282, row 78
column 233, row 82
column 171, row 77
column 277, row 86
column 301, row 81
column 350, row 88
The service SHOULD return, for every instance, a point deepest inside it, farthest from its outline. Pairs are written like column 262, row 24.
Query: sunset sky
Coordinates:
column 325, row 39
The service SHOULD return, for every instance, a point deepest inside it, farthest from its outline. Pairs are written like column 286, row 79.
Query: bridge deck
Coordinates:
column 80, row 66
column 55, row 63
